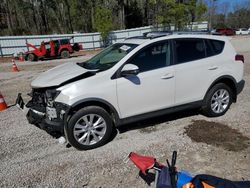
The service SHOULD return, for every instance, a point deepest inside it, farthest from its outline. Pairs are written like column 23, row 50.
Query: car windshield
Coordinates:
column 108, row 57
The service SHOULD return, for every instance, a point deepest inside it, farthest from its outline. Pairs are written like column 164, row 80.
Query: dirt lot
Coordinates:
column 31, row 158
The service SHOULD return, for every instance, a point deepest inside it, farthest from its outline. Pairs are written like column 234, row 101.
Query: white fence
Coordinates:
column 15, row 44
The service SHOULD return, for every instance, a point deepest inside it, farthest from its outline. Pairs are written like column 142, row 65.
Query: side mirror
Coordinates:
column 129, row 69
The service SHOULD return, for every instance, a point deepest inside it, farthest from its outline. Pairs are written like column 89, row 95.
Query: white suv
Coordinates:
column 242, row 31
column 138, row 78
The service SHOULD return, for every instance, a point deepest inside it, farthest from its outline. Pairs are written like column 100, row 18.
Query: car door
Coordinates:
column 153, row 88
column 193, row 71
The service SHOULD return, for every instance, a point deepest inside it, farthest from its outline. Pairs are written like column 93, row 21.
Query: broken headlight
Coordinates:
column 51, row 94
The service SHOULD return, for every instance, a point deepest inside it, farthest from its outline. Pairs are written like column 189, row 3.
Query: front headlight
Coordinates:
column 51, row 94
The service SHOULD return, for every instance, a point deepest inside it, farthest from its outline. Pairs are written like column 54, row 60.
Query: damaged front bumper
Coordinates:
column 52, row 120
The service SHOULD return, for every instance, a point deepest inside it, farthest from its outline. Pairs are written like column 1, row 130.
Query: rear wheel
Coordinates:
column 217, row 100
column 89, row 128
column 65, row 54
column 76, row 47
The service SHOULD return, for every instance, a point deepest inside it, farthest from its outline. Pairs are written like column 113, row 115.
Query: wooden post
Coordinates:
column 26, row 41
column 93, row 40
column 1, row 52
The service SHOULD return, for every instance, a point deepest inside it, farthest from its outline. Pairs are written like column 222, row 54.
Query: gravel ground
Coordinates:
column 31, row 158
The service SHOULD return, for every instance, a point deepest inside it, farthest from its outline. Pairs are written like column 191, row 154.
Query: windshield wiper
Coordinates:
column 85, row 65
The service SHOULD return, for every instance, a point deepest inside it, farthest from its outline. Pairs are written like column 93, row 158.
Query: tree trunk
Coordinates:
column 59, row 16
column 146, row 8
column 44, row 25
column 9, row 19
column 69, row 16
column 34, row 16
column 17, row 23
column 93, row 15
column 122, row 14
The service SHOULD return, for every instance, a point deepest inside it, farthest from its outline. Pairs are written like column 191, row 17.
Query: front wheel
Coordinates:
column 31, row 57
column 217, row 100
column 89, row 128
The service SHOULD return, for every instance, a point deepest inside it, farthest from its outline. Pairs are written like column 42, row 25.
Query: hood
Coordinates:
column 60, row 75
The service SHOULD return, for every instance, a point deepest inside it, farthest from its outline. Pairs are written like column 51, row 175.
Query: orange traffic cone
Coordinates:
column 14, row 67
column 3, row 104
column 21, row 58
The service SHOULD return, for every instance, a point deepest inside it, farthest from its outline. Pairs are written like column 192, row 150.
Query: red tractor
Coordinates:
column 52, row 49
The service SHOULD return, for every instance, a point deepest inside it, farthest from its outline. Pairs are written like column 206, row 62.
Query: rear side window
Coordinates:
column 214, row 47
column 64, row 41
column 189, row 50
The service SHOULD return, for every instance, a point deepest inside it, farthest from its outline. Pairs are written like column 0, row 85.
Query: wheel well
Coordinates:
column 31, row 54
column 64, row 49
column 230, row 83
column 109, row 109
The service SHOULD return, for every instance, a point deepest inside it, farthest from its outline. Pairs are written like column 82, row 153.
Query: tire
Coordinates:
column 81, row 132
column 76, row 47
column 65, row 54
column 31, row 57
column 217, row 101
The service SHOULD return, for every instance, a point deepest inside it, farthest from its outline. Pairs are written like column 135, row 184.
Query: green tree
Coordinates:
column 165, row 12
column 22, row 17
column 239, row 18
column 179, row 13
column 103, row 22
column 219, row 21
column 181, row 16
column 200, row 10
column 195, row 11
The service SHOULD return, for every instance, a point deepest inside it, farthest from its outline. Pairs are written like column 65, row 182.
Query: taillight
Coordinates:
column 239, row 58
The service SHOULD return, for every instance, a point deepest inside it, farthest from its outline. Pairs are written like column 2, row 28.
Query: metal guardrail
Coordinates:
column 10, row 45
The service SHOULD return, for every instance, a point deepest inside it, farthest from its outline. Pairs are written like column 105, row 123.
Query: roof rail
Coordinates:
column 191, row 32
column 136, row 37
column 157, row 34
column 152, row 35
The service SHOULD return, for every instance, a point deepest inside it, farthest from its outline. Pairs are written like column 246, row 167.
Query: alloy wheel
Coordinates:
column 90, row 129
column 220, row 101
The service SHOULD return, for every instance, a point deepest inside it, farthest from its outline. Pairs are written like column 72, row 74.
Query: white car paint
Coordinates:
column 148, row 91
column 242, row 31
column 58, row 75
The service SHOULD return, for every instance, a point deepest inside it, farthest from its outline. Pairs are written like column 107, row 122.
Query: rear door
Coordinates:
column 192, row 70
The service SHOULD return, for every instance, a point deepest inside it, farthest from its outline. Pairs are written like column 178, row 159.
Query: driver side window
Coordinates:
column 153, row 57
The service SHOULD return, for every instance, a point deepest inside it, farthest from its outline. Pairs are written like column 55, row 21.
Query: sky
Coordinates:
column 230, row 4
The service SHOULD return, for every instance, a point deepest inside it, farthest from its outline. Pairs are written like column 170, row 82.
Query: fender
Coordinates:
column 222, row 78
column 94, row 101
column 62, row 49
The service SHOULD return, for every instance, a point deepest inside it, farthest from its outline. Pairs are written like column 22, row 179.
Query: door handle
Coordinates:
column 168, row 76
column 213, row 68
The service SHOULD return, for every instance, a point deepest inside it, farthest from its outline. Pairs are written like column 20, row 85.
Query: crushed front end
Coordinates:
column 44, row 112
